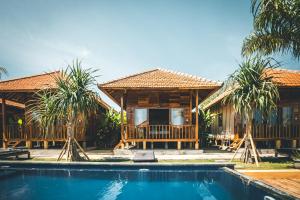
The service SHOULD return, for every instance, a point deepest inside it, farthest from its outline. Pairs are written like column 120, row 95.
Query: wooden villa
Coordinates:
column 159, row 105
column 15, row 96
column 282, row 128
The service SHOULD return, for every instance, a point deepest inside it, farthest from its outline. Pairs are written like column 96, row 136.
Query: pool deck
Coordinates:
column 222, row 156
column 284, row 180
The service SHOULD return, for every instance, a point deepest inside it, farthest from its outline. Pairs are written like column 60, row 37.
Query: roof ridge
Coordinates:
column 199, row 78
column 288, row 70
column 129, row 76
column 25, row 77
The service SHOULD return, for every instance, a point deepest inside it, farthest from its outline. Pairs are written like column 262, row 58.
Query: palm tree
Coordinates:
column 252, row 89
column 276, row 28
column 3, row 71
column 71, row 101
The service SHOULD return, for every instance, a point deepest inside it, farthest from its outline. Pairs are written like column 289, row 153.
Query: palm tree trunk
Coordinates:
column 71, row 146
column 249, row 143
column 250, row 148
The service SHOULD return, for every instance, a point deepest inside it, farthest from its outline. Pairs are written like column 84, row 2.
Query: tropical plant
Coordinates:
column 276, row 28
column 206, row 117
column 253, row 89
column 108, row 129
column 71, row 102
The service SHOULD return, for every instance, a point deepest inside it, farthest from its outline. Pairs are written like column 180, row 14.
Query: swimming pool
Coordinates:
column 125, row 182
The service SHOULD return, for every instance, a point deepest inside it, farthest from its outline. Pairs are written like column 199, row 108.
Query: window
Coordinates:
column 220, row 120
column 140, row 116
column 286, row 115
column 177, row 116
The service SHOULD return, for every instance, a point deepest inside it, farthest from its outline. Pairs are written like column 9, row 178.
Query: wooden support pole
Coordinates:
column 196, row 129
column 277, row 146
column 191, row 108
column 28, row 144
column 166, row 145
column 46, row 144
column 122, row 118
column 84, row 145
column 178, row 145
column 4, row 139
column 294, row 143
column 144, row 145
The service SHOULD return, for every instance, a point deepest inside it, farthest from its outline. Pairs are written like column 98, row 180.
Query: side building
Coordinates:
column 16, row 95
column 280, row 129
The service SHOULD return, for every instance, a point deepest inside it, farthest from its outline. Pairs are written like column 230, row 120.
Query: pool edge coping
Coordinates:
column 55, row 163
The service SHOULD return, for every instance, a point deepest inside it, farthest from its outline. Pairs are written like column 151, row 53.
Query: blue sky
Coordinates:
column 121, row 37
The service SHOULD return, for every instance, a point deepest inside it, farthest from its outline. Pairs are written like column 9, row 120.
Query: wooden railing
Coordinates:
column 266, row 131
column 159, row 132
column 35, row 132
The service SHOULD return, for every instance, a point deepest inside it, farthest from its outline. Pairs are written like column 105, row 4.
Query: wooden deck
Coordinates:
column 287, row 181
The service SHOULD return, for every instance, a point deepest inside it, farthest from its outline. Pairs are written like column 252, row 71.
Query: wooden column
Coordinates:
column 178, row 145
column 122, row 118
column 277, row 146
column 191, row 108
column 197, row 126
column 46, row 144
column 4, row 139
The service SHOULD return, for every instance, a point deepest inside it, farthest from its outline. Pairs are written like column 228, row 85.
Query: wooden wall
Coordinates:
column 157, row 99
column 228, row 115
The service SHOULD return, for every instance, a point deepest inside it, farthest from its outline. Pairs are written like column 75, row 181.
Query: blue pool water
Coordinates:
column 56, row 184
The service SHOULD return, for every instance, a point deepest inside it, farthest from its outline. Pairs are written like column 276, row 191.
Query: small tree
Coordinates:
column 252, row 89
column 71, row 101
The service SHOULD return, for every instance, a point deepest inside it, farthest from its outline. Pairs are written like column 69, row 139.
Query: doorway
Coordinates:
column 159, row 117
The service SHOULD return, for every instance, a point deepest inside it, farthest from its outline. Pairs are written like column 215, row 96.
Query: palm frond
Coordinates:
column 3, row 71
column 72, row 99
column 276, row 28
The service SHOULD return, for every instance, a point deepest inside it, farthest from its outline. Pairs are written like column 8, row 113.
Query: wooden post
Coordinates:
column 294, row 143
column 84, row 145
column 178, row 145
column 46, row 144
column 122, row 118
column 277, row 146
column 144, row 145
column 196, row 129
column 4, row 139
column 28, row 144
column 191, row 108
column 166, row 145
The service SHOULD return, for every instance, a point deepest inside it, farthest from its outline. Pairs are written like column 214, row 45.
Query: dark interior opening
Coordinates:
column 158, row 116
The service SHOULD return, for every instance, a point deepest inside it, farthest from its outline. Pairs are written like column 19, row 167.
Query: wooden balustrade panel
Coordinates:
column 266, row 131
column 159, row 132
column 35, row 132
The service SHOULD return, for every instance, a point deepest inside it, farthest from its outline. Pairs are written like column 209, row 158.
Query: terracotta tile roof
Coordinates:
column 13, row 103
column 161, row 78
column 29, row 83
column 103, row 104
column 285, row 78
column 281, row 77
